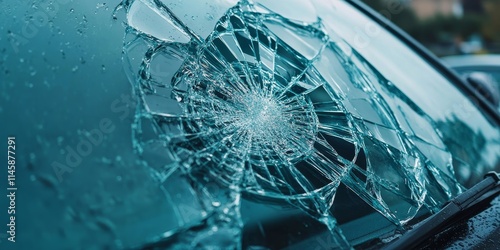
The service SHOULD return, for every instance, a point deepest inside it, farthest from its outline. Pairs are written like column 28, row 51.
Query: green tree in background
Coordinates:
column 491, row 27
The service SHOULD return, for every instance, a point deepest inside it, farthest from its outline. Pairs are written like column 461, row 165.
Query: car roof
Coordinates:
column 472, row 60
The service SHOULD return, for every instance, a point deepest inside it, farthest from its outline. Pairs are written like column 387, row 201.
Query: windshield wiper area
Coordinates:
column 487, row 189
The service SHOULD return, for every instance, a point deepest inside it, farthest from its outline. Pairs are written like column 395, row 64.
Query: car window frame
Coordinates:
column 470, row 93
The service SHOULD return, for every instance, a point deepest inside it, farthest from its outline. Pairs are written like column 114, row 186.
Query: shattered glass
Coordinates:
column 258, row 101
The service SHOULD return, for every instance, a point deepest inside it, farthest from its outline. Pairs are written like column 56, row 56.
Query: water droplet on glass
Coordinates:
column 32, row 71
column 32, row 156
column 60, row 140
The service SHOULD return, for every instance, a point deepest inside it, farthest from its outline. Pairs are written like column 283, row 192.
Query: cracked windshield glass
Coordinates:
column 162, row 124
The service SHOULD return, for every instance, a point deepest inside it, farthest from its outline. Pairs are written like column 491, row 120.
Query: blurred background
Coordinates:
column 447, row 27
